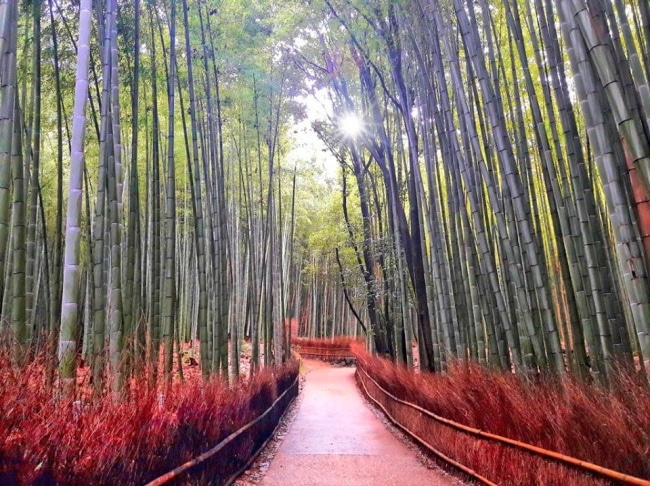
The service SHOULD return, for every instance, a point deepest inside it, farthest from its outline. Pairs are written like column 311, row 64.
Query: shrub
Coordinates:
column 50, row 440
column 608, row 427
column 326, row 343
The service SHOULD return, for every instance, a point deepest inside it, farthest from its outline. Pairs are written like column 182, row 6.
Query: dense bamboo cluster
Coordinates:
column 492, row 207
column 504, row 156
column 179, row 222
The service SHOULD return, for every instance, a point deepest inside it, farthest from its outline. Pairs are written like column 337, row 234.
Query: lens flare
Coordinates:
column 350, row 125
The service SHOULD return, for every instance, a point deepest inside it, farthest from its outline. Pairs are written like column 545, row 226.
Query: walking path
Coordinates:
column 335, row 440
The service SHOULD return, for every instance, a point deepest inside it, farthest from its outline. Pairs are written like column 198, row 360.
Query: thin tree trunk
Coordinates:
column 71, row 268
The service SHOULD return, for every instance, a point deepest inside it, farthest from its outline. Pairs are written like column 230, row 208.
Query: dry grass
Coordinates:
column 610, row 428
column 327, row 343
column 46, row 440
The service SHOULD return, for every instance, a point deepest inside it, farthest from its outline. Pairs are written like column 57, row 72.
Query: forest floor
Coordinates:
column 332, row 437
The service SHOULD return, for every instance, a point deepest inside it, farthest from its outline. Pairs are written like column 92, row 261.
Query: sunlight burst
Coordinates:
column 350, row 125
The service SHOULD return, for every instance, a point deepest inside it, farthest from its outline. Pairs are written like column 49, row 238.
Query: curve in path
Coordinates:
column 335, row 440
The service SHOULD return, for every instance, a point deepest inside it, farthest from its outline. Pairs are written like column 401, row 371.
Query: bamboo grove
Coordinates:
column 493, row 206
column 501, row 177
column 162, row 131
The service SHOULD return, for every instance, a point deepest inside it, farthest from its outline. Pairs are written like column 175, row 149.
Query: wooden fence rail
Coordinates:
column 199, row 467
column 384, row 399
column 326, row 353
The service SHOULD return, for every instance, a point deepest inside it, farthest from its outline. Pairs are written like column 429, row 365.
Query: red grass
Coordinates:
column 336, row 350
column 327, row 343
column 610, row 428
column 49, row 440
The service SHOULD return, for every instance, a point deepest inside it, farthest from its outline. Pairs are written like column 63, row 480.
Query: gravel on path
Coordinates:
column 336, row 440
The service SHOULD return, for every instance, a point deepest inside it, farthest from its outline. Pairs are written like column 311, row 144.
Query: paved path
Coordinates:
column 335, row 440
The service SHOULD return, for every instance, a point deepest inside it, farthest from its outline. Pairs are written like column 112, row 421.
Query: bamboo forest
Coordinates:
column 213, row 210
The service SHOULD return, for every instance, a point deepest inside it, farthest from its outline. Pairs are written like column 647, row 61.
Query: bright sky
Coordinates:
column 305, row 144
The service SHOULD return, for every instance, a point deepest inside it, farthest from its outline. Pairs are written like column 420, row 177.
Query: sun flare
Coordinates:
column 351, row 125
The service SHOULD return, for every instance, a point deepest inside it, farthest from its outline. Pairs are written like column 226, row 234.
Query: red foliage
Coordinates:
column 608, row 427
column 327, row 343
column 50, row 440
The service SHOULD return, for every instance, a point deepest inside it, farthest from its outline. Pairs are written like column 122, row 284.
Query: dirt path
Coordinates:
column 336, row 440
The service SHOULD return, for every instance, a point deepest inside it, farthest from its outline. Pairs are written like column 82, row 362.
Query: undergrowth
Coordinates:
column 326, row 343
column 607, row 427
column 46, row 439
